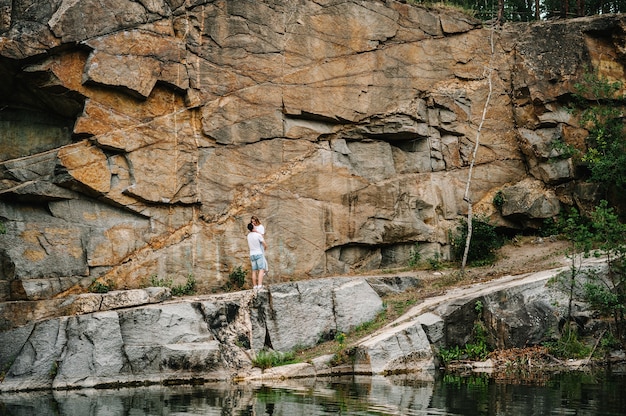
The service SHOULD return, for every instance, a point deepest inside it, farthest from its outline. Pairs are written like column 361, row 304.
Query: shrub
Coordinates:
column 54, row 369
column 343, row 354
column 156, row 281
column 476, row 349
column 483, row 245
column 266, row 359
column 236, row 278
column 187, row 289
column 498, row 200
column 415, row 257
column 568, row 345
column 599, row 234
column 601, row 115
column 435, row 262
column 100, row 287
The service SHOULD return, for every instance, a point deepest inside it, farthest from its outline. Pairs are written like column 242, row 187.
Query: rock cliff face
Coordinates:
column 138, row 139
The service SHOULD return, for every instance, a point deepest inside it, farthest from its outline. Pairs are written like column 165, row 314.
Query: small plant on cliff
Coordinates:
column 343, row 354
column 101, row 287
column 54, row 369
column 435, row 263
column 568, row 345
column 498, row 200
column 563, row 150
column 189, row 288
column 476, row 349
column 266, row 359
column 415, row 257
column 236, row 279
column 156, row 281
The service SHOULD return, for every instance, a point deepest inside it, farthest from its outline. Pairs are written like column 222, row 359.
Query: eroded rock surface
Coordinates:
column 130, row 339
column 216, row 338
column 138, row 139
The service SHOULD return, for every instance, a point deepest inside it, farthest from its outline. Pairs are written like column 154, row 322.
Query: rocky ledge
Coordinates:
column 216, row 337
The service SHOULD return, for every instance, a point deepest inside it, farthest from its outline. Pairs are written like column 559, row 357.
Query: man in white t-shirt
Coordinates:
column 257, row 246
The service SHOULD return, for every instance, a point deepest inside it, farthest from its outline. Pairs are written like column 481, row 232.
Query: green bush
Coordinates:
column 101, row 287
column 236, row 279
column 568, row 345
column 601, row 234
column 483, row 245
column 415, row 257
column 189, row 288
column 498, row 200
column 435, row 262
column 267, row 359
column 447, row 355
column 343, row 354
column 477, row 349
column 156, row 281
column 599, row 108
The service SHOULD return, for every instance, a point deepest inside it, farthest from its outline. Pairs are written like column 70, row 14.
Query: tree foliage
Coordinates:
column 608, row 293
column 528, row 10
column 601, row 234
column 601, row 113
column 484, row 243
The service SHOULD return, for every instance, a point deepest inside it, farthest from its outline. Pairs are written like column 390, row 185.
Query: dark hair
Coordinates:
column 250, row 226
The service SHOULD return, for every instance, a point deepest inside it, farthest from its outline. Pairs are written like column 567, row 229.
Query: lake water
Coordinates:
column 569, row 394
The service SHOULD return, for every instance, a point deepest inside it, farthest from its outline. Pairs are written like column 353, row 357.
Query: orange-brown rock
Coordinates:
column 138, row 140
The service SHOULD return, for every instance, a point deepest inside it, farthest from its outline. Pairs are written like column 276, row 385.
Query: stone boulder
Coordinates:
column 216, row 337
column 204, row 338
column 301, row 314
column 529, row 200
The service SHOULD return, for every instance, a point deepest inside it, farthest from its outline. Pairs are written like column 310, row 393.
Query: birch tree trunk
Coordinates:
column 466, row 197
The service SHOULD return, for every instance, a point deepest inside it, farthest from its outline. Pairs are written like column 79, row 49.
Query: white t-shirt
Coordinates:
column 260, row 229
column 255, row 243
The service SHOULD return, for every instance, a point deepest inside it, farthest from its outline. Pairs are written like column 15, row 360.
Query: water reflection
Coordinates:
column 569, row 394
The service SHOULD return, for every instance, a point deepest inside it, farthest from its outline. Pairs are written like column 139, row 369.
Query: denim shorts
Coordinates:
column 258, row 262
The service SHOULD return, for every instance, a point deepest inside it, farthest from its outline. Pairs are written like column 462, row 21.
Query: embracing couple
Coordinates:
column 257, row 246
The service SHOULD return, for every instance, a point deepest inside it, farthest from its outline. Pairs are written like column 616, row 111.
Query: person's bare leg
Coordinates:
column 254, row 277
column 261, row 273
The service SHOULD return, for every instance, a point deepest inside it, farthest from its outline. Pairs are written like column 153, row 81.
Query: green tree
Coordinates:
column 602, row 234
column 601, row 112
column 607, row 293
column 580, row 237
column 528, row 10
